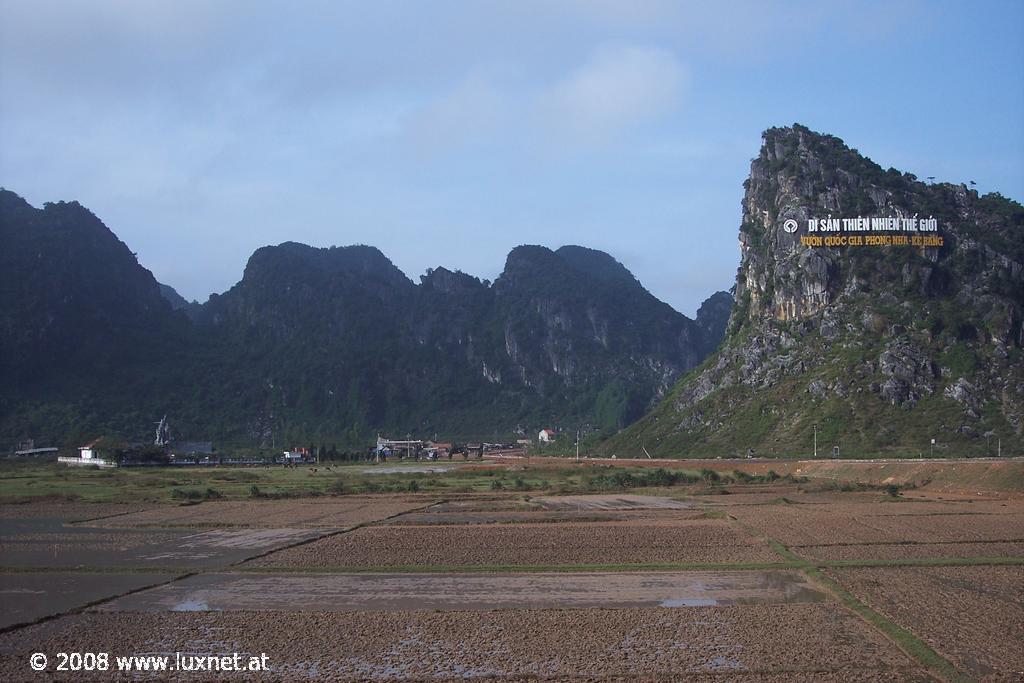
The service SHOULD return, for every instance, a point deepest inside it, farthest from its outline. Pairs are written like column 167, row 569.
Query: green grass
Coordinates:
column 25, row 482
column 521, row 568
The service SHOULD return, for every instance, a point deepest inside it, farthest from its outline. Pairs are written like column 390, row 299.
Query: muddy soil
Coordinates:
column 461, row 592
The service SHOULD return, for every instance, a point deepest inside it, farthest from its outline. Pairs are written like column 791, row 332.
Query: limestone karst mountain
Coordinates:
column 876, row 345
column 318, row 344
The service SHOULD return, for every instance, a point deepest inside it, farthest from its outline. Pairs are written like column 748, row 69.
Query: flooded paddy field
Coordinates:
column 334, row 512
column 28, row 597
column 52, row 543
column 461, row 592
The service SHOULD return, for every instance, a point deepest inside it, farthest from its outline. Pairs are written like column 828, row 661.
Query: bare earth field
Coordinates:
column 816, row 641
column 901, row 551
column 820, row 525
column 705, row 541
column 972, row 615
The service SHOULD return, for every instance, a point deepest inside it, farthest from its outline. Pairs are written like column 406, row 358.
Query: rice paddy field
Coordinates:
column 520, row 570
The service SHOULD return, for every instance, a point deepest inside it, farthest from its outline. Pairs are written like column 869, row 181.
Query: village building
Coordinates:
column 546, row 436
column 89, row 455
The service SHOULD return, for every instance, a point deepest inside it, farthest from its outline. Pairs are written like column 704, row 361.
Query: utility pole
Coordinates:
column 815, row 439
column 577, row 444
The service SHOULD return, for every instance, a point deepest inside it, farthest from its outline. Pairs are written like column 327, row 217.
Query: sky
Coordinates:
column 446, row 133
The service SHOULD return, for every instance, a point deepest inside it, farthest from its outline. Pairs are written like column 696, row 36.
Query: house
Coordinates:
column 89, row 451
column 90, row 455
column 546, row 436
column 297, row 455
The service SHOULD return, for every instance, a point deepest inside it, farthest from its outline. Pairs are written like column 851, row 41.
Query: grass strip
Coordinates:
column 913, row 646
column 921, row 562
column 906, row 640
column 521, row 568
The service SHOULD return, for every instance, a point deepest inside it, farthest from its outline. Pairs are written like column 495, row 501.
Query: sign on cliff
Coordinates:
column 868, row 231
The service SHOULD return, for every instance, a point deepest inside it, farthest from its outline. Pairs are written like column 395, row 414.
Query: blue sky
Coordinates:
column 446, row 133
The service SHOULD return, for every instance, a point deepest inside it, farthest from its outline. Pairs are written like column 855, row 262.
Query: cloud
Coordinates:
column 471, row 111
column 617, row 88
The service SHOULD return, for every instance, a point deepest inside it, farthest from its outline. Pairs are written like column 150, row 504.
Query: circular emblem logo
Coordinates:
column 789, row 225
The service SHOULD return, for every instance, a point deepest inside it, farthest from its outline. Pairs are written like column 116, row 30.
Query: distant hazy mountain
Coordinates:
column 880, row 349
column 324, row 344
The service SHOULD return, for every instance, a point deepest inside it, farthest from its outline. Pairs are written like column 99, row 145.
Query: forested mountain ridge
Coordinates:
column 322, row 343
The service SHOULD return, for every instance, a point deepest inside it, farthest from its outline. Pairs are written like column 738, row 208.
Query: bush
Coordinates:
column 892, row 490
column 496, row 485
column 413, row 486
column 254, row 491
column 336, row 487
column 708, row 474
column 186, row 494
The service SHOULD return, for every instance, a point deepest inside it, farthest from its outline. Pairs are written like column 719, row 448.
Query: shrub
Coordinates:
column 186, row 494
column 708, row 474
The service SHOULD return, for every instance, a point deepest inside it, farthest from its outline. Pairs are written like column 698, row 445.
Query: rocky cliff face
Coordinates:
column 882, row 345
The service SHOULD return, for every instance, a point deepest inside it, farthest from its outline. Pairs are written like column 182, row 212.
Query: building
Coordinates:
column 546, row 436
column 438, row 449
column 89, row 455
column 298, row 455
column 89, row 451
column 406, row 449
